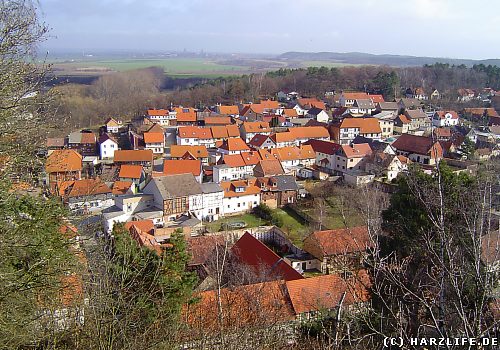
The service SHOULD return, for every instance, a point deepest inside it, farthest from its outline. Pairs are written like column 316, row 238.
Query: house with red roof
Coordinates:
column 278, row 191
column 113, row 125
column 135, row 157
column 326, row 153
column 134, row 174
column 264, row 263
column 240, row 196
column 349, row 158
column 228, row 110
column 339, row 250
column 304, row 104
column 418, row 149
column 260, row 141
column 182, row 166
column 347, row 98
column 345, row 131
column 164, row 117
column 84, row 142
column 402, row 124
column 235, row 166
column 232, row 146
column 63, row 165
column 86, row 195
column 189, row 152
column 249, row 129
column 155, row 141
column 312, row 297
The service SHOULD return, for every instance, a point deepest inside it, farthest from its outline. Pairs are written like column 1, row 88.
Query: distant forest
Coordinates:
column 127, row 94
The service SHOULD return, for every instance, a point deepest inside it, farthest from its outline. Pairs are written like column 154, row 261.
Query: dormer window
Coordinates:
column 240, row 189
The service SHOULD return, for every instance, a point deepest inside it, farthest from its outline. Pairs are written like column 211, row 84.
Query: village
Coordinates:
column 243, row 179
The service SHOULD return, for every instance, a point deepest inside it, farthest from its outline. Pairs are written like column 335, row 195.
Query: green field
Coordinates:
column 178, row 67
column 328, row 64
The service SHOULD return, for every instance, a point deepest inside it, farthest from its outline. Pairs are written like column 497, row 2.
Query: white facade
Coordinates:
column 156, row 147
column 194, row 141
column 448, row 120
column 127, row 206
column 240, row 204
column 107, row 149
column 226, row 173
column 163, row 120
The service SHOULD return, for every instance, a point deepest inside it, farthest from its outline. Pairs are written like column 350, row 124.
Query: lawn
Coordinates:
column 293, row 225
column 249, row 219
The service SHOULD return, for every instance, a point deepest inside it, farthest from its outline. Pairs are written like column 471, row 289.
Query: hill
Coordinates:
column 385, row 59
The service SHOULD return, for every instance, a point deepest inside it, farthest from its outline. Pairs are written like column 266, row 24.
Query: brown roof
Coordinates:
column 417, row 144
column 63, row 161
column 376, row 98
column 490, row 247
column 253, row 305
column 269, row 167
column 259, row 139
column 145, row 155
column 404, row 119
column 85, row 187
column 178, row 151
column 442, row 114
column 181, row 166
column 356, row 150
column 416, row 114
column 339, row 241
column 156, row 128
column 217, row 120
column 311, row 102
column 55, row 142
column 328, row 291
column 490, row 112
column 270, row 104
column 326, row 147
column 201, row 248
column 355, row 95
column 121, row 187
column 128, row 171
column 290, row 112
column 154, row 137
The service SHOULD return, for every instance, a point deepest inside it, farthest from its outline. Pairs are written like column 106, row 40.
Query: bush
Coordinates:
column 264, row 212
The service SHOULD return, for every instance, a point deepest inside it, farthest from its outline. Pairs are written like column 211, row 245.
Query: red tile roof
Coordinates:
column 442, row 114
column 252, row 252
column 234, row 144
column 157, row 112
column 121, row 187
column 256, row 127
column 355, row 95
column 328, row 291
column 175, row 167
column 229, row 188
column 326, row 147
column 268, row 168
column 418, row 145
column 64, row 160
column 258, row 140
column 85, row 187
column 230, row 110
column 217, row 120
column 311, row 102
column 194, row 132
column 376, row 98
column 122, row 156
column 178, row 151
column 309, row 132
column 339, row 241
column 365, row 125
column 154, row 137
column 128, row 171
column 185, row 114
column 358, row 150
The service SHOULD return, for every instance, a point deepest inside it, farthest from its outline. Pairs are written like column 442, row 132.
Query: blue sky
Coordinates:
column 442, row 28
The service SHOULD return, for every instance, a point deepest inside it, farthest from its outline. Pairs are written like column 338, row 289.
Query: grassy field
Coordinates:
column 249, row 219
column 176, row 67
column 328, row 64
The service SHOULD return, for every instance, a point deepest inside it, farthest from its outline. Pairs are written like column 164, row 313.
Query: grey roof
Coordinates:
column 385, row 115
column 314, row 111
column 416, row 114
column 112, row 212
column 365, row 104
column 149, row 213
column 75, row 137
column 173, row 186
column 375, row 145
column 299, row 121
column 211, row 187
column 388, row 106
column 286, row 183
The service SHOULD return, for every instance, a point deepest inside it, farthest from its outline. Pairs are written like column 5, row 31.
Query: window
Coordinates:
column 239, row 205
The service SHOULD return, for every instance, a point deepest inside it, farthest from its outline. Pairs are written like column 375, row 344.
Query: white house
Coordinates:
column 113, row 125
column 445, row 118
column 212, row 202
column 155, row 141
column 164, row 117
column 318, row 114
column 240, row 196
column 107, row 146
column 124, row 209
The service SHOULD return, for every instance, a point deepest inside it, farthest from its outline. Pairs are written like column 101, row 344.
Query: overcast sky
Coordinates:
column 441, row 28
